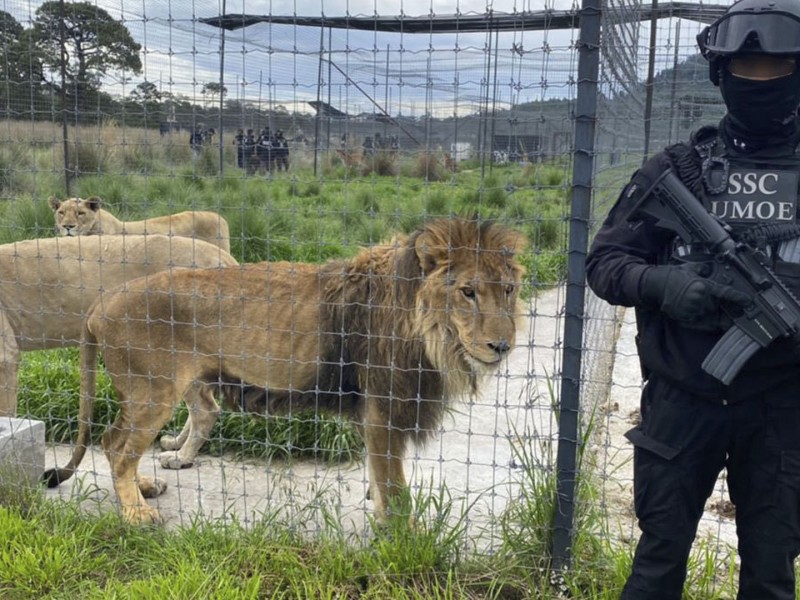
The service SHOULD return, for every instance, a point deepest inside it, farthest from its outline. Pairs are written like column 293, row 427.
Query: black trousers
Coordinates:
column 681, row 446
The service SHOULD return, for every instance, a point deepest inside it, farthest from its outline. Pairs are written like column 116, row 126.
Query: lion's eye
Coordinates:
column 509, row 289
column 468, row 292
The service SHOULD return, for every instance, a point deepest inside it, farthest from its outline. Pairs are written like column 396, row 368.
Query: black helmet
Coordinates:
column 752, row 27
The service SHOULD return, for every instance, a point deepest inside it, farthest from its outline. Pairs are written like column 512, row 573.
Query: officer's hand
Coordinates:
column 683, row 294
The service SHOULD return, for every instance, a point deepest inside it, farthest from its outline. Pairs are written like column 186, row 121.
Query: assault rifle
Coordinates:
column 774, row 312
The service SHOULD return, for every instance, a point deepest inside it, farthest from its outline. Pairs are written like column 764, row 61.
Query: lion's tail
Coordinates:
column 88, row 365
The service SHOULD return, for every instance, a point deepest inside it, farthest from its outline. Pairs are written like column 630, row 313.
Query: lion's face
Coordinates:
column 469, row 300
column 76, row 216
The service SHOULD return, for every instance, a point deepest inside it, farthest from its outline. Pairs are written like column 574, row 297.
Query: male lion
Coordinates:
column 46, row 286
column 389, row 337
column 76, row 216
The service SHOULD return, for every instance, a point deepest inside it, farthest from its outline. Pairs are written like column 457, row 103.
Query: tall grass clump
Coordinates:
column 8, row 166
column 206, row 163
column 140, row 157
column 176, row 151
column 25, row 218
column 547, row 233
column 89, row 158
column 252, row 235
column 380, row 163
column 436, row 203
column 48, row 390
column 367, row 201
column 527, row 523
column 430, row 166
column 493, row 193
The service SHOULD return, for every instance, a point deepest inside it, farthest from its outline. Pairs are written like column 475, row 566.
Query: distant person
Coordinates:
column 368, row 147
column 264, row 151
column 238, row 141
column 281, row 151
column 196, row 140
column 250, row 155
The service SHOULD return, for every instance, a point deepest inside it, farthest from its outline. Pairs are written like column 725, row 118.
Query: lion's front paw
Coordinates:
column 169, row 442
column 141, row 514
column 150, row 487
column 173, row 460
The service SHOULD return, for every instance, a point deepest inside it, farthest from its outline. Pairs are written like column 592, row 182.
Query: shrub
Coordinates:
column 381, row 163
column 430, row 166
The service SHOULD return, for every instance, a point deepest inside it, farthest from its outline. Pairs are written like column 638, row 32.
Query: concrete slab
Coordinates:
column 21, row 451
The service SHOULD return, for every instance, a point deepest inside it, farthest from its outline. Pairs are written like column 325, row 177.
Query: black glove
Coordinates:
column 683, row 294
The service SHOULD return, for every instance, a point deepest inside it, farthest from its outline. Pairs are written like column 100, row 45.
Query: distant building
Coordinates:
column 460, row 151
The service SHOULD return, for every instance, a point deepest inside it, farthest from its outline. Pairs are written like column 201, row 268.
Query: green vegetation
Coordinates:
column 286, row 216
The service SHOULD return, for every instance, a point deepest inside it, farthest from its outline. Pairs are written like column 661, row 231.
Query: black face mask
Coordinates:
column 760, row 108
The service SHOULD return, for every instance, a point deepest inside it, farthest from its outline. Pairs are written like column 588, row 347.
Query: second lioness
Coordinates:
column 79, row 216
column 47, row 285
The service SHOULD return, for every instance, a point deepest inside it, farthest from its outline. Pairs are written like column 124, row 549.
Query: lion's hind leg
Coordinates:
column 203, row 414
column 175, row 442
column 9, row 365
column 139, row 421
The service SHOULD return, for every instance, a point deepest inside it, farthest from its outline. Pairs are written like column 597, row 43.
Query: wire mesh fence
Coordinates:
column 308, row 139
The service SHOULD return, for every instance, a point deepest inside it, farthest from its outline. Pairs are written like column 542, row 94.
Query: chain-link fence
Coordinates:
column 311, row 137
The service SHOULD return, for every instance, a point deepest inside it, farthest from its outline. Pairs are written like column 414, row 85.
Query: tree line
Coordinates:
column 59, row 61
column 57, row 64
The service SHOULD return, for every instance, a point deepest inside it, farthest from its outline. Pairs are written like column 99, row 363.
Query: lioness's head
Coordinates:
column 76, row 216
column 467, row 303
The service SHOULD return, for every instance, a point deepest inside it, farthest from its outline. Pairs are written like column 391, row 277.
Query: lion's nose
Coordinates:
column 500, row 347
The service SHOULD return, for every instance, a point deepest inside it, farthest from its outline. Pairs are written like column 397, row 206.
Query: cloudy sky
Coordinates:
column 409, row 73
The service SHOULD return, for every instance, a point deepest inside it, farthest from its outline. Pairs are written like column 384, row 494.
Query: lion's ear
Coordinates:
column 54, row 202
column 94, row 203
column 429, row 251
column 517, row 243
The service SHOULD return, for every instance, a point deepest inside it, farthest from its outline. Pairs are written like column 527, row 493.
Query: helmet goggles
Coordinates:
column 777, row 32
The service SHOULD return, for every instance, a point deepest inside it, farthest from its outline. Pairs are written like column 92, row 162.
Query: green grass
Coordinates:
column 297, row 215
column 51, row 549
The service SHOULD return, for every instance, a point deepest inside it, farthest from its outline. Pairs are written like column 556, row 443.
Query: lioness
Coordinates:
column 76, row 216
column 46, row 286
column 388, row 337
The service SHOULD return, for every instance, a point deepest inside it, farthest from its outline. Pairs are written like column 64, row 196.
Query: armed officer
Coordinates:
column 746, row 171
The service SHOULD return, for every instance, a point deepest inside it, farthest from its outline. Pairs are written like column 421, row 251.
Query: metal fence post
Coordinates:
column 583, row 163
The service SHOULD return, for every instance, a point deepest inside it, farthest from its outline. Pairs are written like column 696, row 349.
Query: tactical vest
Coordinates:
column 757, row 198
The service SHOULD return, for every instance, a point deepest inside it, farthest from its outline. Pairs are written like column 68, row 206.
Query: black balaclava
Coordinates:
column 760, row 113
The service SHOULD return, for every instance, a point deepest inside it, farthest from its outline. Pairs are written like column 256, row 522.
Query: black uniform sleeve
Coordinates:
column 623, row 250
